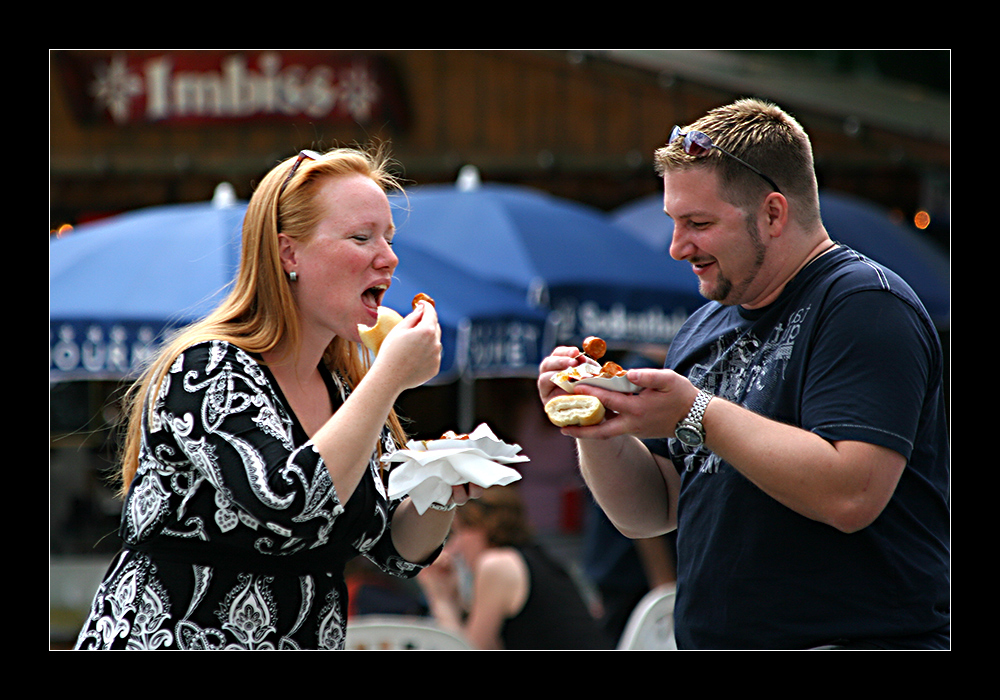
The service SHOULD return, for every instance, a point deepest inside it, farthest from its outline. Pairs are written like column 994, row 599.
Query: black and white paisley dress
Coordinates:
column 234, row 537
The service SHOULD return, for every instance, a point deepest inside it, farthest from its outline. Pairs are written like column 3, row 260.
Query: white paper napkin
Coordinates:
column 429, row 468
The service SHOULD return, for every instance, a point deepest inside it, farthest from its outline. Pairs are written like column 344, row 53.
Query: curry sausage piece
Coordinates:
column 595, row 347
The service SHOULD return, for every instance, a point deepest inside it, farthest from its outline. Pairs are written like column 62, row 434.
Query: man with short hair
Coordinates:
column 797, row 435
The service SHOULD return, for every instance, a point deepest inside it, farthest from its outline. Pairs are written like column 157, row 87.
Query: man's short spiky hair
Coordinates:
column 763, row 135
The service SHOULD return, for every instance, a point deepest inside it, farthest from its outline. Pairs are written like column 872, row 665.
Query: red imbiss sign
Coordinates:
column 198, row 87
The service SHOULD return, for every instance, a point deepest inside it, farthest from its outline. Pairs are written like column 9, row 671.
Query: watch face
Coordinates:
column 689, row 436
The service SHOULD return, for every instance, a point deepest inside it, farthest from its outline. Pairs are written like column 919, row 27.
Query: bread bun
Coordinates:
column 574, row 409
column 372, row 336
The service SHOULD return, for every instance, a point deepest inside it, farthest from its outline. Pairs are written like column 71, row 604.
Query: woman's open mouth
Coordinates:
column 372, row 297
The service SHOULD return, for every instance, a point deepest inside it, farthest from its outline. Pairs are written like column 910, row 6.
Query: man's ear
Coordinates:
column 775, row 213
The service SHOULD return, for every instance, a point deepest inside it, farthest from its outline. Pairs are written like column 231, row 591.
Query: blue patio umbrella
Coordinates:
column 118, row 286
column 864, row 226
column 559, row 255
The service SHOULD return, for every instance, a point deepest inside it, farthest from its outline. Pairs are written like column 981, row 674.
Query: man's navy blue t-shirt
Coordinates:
column 849, row 353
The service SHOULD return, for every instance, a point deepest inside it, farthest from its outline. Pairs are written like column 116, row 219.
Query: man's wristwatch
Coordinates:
column 690, row 430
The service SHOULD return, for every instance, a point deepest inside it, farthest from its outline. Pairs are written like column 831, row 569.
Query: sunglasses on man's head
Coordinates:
column 698, row 144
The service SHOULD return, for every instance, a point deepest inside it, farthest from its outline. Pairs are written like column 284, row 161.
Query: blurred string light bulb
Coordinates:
column 921, row 220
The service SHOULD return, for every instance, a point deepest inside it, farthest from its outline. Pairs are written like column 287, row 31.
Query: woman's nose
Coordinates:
column 386, row 256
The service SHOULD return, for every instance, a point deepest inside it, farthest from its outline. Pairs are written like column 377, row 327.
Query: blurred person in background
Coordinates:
column 520, row 597
column 251, row 471
column 797, row 436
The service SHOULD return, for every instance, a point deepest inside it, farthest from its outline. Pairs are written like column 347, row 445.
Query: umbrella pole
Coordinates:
column 466, row 379
column 466, row 401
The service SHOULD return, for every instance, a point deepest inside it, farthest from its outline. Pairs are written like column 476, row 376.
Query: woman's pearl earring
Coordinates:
column 293, row 275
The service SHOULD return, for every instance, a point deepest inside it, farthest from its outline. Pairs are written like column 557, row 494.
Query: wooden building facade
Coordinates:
column 139, row 128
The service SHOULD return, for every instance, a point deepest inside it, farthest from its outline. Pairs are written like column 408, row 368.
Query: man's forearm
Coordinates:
column 844, row 484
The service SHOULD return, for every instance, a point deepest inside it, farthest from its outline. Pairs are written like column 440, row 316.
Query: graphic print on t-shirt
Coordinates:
column 745, row 370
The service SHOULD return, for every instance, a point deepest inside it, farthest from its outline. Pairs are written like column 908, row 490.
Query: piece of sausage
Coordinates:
column 595, row 347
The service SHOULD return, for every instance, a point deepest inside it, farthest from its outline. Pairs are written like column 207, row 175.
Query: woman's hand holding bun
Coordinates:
column 409, row 352
column 373, row 336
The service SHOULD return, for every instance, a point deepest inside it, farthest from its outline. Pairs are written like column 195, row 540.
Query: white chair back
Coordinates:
column 400, row 632
column 651, row 624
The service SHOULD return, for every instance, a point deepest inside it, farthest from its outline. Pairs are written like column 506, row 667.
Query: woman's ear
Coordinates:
column 287, row 252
